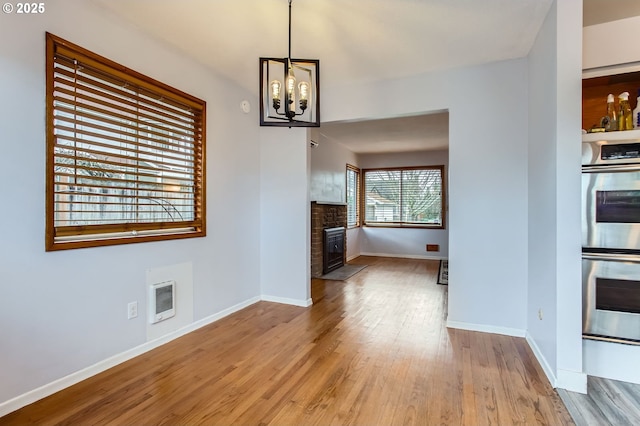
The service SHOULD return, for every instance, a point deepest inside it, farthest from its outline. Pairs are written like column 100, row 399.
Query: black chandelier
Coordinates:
column 289, row 90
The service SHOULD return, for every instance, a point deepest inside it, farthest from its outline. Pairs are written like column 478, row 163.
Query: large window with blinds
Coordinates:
column 125, row 154
column 353, row 196
column 409, row 196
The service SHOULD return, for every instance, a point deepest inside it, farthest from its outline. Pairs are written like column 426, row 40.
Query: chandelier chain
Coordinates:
column 289, row 30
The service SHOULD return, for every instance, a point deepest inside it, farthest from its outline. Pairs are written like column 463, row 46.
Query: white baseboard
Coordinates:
column 574, row 381
column 515, row 332
column 287, row 301
column 548, row 371
column 405, row 256
column 350, row 258
column 73, row 378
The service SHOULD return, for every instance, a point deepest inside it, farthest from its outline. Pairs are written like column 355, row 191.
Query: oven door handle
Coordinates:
column 612, row 256
column 611, row 168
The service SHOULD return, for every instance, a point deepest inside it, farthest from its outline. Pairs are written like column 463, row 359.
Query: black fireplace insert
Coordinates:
column 333, row 249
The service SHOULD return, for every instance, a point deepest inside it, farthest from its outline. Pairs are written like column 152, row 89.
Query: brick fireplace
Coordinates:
column 325, row 215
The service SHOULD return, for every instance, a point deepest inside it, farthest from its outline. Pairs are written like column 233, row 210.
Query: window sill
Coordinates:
column 77, row 242
column 403, row 225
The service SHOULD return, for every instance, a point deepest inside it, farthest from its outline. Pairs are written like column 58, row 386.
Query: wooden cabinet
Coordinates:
column 596, row 89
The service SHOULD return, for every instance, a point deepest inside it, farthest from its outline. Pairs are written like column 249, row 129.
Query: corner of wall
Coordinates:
column 574, row 381
column 287, row 301
column 548, row 371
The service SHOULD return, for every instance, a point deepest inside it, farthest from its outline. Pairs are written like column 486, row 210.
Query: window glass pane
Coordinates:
column 404, row 196
column 353, row 196
column 421, row 196
column 382, row 192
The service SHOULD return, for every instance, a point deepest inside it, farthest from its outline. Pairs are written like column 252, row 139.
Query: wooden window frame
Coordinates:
column 358, row 189
column 401, row 224
column 71, row 236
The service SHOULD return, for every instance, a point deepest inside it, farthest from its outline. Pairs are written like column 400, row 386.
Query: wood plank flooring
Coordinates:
column 373, row 350
column 607, row 402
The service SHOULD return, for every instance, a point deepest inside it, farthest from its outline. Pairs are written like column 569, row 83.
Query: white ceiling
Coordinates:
column 400, row 134
column 354, row 40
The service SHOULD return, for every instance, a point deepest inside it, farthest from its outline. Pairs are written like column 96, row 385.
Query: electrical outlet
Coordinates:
column 132, row 310
column 540, row 314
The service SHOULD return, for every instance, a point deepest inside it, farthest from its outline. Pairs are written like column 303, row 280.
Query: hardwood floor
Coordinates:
column 373, row 350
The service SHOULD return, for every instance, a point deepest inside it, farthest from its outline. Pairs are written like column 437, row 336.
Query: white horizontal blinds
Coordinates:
column 382, row 196
column 408, row 196
column 125, row 157
column 422, row 196
column 353, row 184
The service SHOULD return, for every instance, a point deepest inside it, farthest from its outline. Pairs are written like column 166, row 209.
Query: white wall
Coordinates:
column 488, row 201
column 64, row 311
column 554, row 198
column 568, row 197
column 406, row 242
column 328, row 164
column 542, row 155
column 487, row 179
column 285, row 216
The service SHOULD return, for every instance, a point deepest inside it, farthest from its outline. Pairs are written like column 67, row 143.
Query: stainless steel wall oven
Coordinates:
column 611, row 240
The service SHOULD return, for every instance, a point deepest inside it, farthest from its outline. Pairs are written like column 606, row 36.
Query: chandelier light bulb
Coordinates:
column 275, row 89
column 303, row 89
column 291, row 83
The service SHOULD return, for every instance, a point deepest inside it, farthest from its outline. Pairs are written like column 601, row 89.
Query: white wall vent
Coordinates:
column 162, row 301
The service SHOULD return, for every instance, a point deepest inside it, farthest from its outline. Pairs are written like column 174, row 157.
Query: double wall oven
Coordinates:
column 611, row 240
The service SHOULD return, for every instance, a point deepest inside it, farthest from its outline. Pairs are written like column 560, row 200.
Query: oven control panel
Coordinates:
column 600, row 153
column 626, row 151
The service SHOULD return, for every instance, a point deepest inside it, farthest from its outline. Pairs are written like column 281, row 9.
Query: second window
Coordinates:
column 411, row 196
